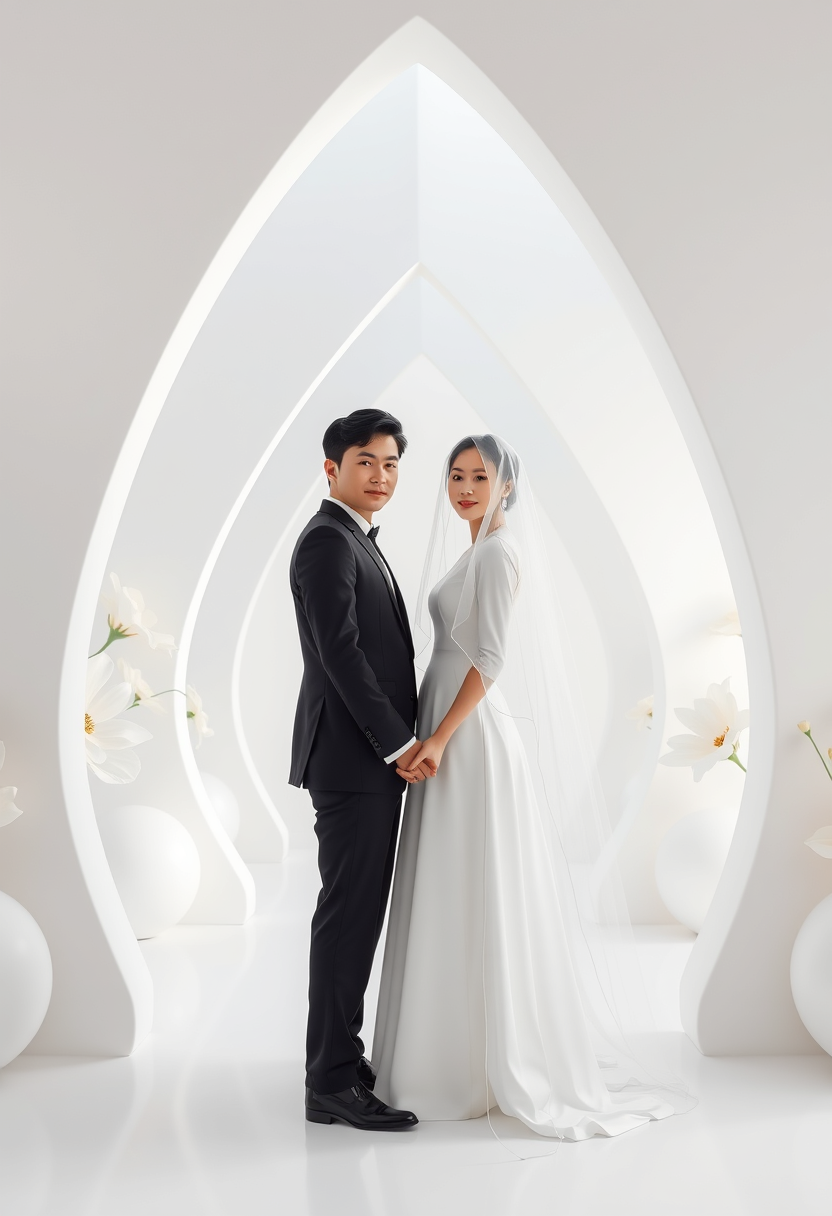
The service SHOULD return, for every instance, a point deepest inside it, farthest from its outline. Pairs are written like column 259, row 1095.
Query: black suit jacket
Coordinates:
column 357, row 700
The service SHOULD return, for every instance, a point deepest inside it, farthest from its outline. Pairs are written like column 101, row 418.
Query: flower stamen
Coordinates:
column 89, row 725
column 720, row 739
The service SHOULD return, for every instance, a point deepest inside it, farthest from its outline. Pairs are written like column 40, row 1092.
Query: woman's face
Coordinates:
column 470, row 482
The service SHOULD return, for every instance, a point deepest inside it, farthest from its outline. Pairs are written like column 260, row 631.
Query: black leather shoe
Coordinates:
column 366, row 1073
column 359, row 1108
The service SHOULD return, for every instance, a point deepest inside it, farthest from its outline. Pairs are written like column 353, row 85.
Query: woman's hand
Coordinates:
column 428, row 758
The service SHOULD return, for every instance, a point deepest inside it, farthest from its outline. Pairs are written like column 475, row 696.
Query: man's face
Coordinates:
column 367, row 476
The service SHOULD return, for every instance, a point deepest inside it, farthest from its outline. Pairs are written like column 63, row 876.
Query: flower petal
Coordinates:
column 690, row 745
column 99, row 670
column 675, row 760
column 700, row 724
column 135, row 597
column 161, row 641
column 117, row 733
column 702, row 766
column 724, row 700
column 821, row 842
column 120, row 768
column 715, row 718
column 109, row 702
column 8, row 810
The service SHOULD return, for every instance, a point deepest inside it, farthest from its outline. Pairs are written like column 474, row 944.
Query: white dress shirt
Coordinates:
column 365, row 528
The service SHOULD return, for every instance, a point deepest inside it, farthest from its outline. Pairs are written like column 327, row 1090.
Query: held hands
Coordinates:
column 422, row 760
column 408, row 767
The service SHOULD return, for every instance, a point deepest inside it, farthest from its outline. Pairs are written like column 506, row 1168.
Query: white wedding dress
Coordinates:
column 479, row 1004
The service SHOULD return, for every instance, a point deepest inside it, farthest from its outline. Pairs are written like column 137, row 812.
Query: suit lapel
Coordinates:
column 330, row 508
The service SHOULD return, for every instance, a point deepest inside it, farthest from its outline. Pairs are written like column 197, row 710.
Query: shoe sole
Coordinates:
column 321, row 1116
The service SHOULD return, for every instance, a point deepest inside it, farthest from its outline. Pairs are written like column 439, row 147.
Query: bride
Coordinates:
column 495, row 988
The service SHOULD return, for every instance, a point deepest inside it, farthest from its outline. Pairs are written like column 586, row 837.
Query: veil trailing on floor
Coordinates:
column 538, row 686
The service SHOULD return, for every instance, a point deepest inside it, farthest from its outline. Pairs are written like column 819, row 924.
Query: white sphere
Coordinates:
column 224, row 803
column 690, row 861
column 25, row 978
column 811, row 973
column 154, row 863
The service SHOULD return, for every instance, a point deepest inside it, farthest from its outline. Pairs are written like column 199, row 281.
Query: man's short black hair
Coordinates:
column 358, row 429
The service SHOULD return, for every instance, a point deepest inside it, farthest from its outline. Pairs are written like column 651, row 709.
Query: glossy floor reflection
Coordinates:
column 207, row 1116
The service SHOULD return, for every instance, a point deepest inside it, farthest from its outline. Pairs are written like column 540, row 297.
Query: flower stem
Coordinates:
column 735, row 758
column 138, row 700
column 820, row 753
column 114, row 637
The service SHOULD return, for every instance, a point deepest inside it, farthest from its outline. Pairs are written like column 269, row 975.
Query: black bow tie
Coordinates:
column 373, row 533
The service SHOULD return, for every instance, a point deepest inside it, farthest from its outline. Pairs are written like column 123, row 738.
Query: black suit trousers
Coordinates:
column 357, row 834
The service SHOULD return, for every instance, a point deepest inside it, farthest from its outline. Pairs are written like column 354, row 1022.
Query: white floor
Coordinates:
column 207, row 1116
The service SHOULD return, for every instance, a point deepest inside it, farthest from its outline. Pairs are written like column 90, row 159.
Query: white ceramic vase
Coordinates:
column 690, row 861
column 811, row 973
column 25, row 978
column 224, row 803
column 154, row 863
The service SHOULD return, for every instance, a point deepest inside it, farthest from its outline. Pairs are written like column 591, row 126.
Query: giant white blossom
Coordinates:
column 642, row 712
column 728, row 625
column 128, row 616
column 716, row 724
column 143, row 694
column 109, row 740
column 197, row 714
column 8, row 793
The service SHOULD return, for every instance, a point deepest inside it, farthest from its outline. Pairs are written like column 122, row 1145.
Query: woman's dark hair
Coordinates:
column 490, row 447
column 358, row 429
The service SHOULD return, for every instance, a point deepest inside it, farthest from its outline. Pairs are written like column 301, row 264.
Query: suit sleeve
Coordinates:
column 325, row 578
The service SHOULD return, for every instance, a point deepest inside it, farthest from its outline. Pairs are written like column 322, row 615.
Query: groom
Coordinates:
column 355, row 717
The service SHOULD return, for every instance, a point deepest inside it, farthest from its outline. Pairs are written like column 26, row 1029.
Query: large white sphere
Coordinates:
column 154, row 863
column 25, row 978
column 690, row 861
column 811, row 973
column 224, row 803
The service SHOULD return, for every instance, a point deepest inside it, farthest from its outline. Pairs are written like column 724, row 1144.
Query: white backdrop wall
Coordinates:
column 700, row 150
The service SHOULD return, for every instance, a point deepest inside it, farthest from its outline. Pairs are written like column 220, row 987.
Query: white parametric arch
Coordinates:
column 498, row 397
column 418, row 42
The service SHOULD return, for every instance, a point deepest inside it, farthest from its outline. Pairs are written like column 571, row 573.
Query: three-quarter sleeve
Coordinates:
column 497, row 577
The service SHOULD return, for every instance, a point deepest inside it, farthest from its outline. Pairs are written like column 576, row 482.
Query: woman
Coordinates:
column 487, row 987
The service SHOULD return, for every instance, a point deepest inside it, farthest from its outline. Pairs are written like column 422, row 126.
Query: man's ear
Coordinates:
column 331, row 471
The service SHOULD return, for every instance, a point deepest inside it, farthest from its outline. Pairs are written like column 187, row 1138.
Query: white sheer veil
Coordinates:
column 538, row 686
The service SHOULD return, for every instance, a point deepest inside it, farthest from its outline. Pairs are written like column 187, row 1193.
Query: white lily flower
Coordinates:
column 128, row 616
column 107, row 739
column 642, row 712
column 142, row 692
column 716, row 723
column 8, row 793
column 728, row 625
column 821, row 842
column 197, row 714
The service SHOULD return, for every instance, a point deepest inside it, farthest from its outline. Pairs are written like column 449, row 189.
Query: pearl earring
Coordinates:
column 505, row 504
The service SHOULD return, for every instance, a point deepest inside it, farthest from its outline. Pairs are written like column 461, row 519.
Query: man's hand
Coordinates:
column 427, row 757
column 405, row 762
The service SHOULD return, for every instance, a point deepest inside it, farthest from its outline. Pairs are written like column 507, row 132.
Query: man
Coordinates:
column 355, row 718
